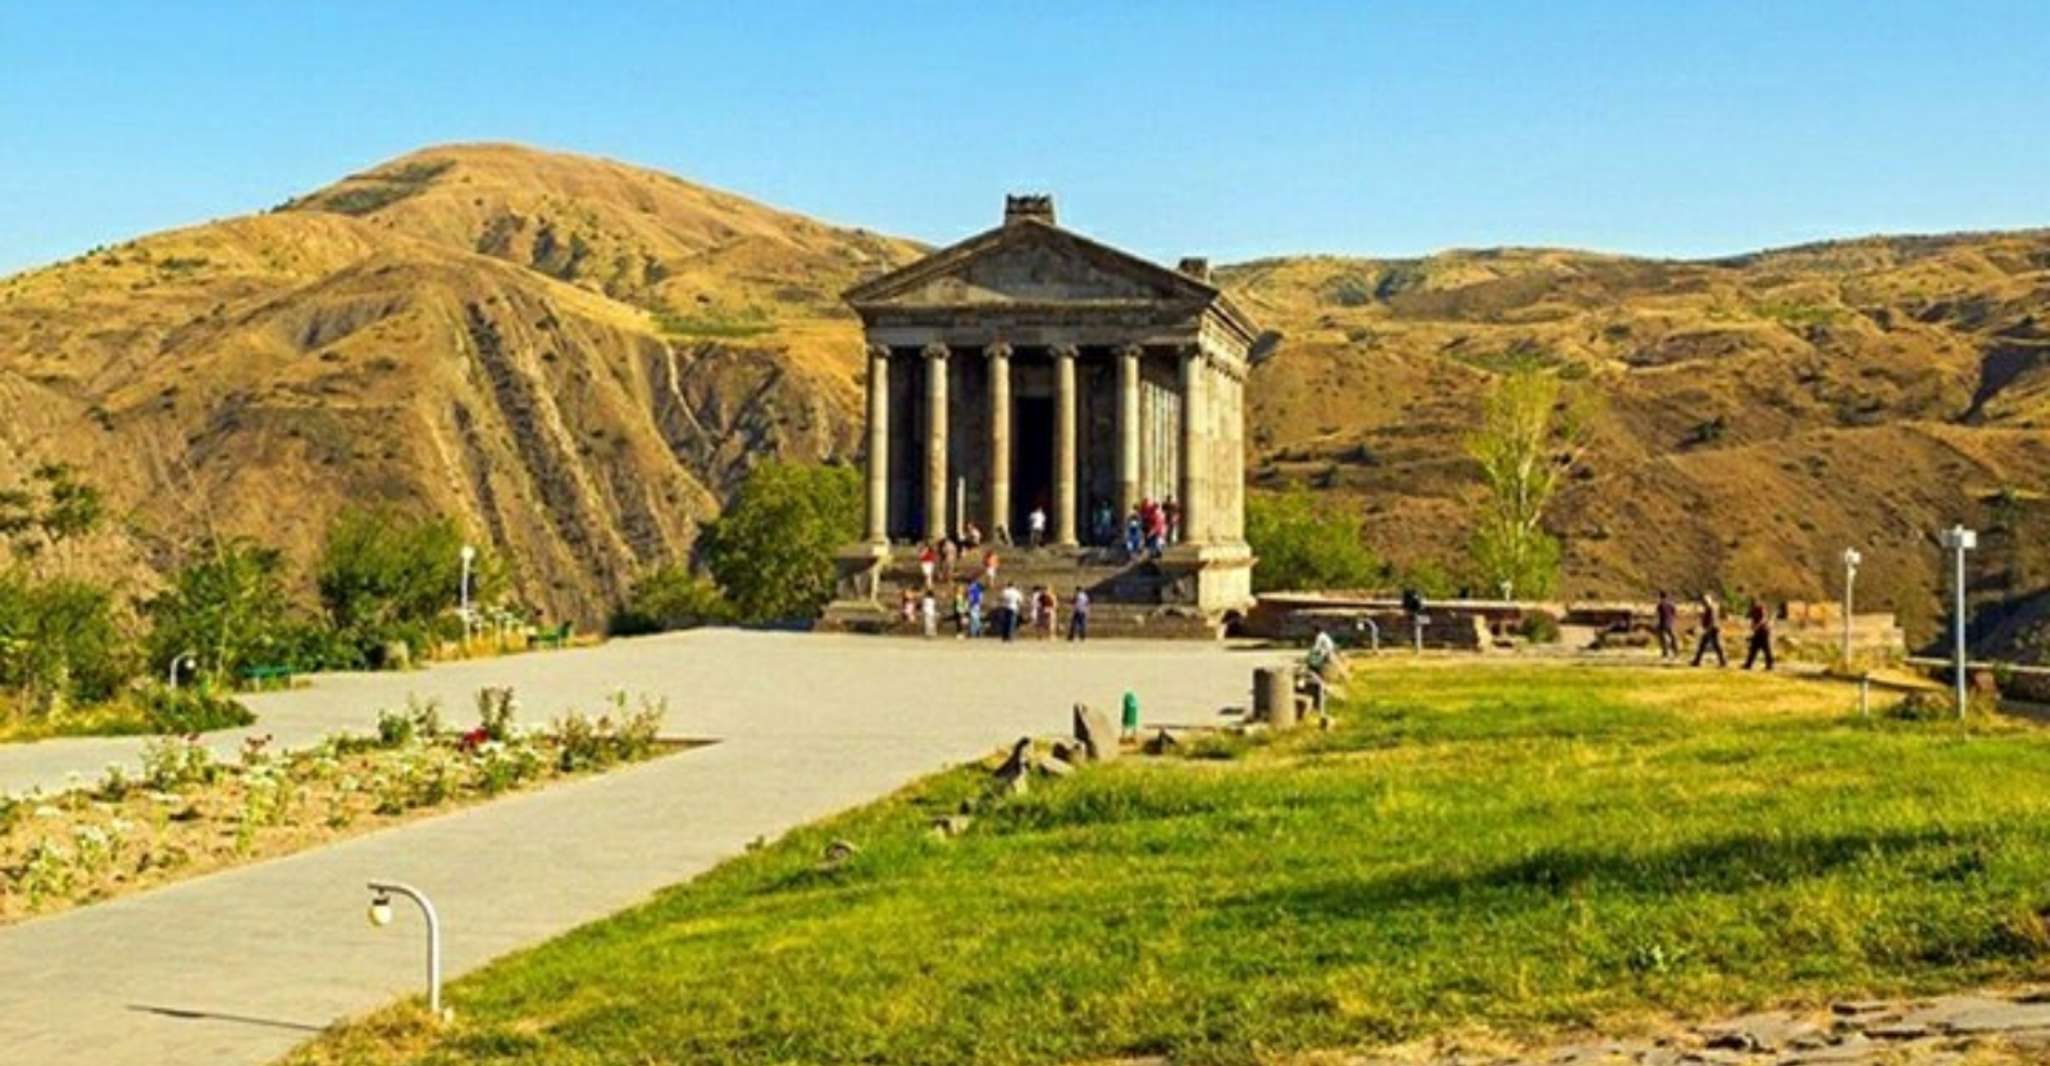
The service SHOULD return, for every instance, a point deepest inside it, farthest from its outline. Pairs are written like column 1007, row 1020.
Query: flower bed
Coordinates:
column 185, row 813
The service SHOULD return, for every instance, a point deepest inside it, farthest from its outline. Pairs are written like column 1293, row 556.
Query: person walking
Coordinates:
column 960, row 612
column 1078, row 617
column 1035, row 523
column 929, row 612
column 1135, row 535
column 1044, row 609
column 927, row 558
column 975, row 608
column 989, row 569
column 949, row 552
column 1668, row 626
column 1761, row 635
column 1711, row 632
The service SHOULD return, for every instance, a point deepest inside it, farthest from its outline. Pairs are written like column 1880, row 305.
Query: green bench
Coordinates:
column 262, row 676
column 554, row 637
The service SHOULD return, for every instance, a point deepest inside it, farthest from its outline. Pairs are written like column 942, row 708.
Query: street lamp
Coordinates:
column 186, row 659
column 381, row 916
column 1959, row 540
column 469, row 554
column 1851, row 561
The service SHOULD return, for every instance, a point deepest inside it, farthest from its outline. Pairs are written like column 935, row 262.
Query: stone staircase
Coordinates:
column 1125, row 595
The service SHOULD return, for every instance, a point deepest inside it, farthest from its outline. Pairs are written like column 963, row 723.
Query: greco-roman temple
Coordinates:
column 1029, row 367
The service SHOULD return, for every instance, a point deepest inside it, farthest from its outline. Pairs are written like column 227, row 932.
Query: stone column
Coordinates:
column 878, row 444
column 1064, row 446
column 999, row 438
column 935, row 441
column 1195, row 479
column 1128, row 431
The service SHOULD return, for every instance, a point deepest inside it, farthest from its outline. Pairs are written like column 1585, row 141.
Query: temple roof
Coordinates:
column 1030, row 262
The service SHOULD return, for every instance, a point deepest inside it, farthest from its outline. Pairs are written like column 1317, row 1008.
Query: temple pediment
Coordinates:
column 1029, row 262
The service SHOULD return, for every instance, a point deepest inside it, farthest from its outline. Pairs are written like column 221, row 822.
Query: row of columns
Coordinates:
column 1193, row 484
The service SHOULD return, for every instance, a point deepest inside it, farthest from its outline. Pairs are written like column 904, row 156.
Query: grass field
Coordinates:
column 1511, row 849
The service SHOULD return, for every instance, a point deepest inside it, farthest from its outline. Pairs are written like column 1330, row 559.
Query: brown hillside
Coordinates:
column 413, row 335
column 1759, row 414
column 581, row 358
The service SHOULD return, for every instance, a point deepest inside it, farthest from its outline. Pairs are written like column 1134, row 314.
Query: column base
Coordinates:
column 1213, row 578
column 857, row 584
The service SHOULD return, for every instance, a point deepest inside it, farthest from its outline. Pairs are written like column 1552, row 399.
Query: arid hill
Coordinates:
column 582, row 358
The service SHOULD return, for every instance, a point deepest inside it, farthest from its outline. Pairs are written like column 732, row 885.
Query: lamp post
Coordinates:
column 1851, row 561
column 381, row 916
column 469, row 554
column 1959, row 540
column 180, row 659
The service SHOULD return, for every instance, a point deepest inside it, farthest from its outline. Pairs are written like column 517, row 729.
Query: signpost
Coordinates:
column 1959, row 540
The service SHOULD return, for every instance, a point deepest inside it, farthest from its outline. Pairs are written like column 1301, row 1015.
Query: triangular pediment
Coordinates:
column 1033, row 263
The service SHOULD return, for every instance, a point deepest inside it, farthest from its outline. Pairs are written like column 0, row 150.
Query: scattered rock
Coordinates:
column 1070, row 751
column 1093, row 729
column 1162, row 743
column 1760, row 1032
column 840, row 851
column 1056, row 767
column 1015, row 775
column 952, row 825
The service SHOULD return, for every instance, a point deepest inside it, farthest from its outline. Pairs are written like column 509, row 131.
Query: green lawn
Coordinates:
column 1516, row 849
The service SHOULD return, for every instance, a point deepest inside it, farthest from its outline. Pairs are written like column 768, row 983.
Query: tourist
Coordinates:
column 1323, row 665
column 1032, row 607
column 1035, row 523
column 975, row 608
column 1135, row 534
column 1044, row 612
column 1103, row 528
column 1761, row 635
column 927, row 558
column 1014, row 605
column 929, row 611
column 1170, row 522
column 960, row 612
column 907, row 604
column 971, row 536
column 949, row 551
column 1078, row 616
column 1668, row 626
column 1156, row 528
column 1711, row 632
column 989, row 568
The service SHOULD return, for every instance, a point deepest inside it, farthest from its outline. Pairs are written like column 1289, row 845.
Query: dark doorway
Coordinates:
column 1031, row 462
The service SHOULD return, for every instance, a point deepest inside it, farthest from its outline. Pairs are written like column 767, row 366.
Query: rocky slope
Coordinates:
column 581, row 359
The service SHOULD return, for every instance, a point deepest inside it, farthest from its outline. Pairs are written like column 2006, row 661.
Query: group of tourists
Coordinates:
column 983, row 609
column 1149, row 528
column 1759, row 619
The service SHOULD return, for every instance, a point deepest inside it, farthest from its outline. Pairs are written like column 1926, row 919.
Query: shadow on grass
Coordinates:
column 1726, row 865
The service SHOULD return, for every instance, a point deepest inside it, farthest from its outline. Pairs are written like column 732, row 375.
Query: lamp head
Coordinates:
column 380, row 911
column 469, row 552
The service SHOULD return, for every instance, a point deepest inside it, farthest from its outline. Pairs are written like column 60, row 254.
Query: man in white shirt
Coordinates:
column 1036, row 522
column 1014, row 606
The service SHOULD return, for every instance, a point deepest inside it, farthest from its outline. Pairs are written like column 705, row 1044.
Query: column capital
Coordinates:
column 1131, row 350
column 935, row 350
column 1188, row 352
column 1065, row 351
column 997, row 349
column 878, row 351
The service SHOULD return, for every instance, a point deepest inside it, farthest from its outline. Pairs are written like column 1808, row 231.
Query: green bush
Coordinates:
column 184, row 711
column 60, row 641
column 387, row 576
column 1305, row 543
column 671, row 597
column 228, row 608
column 1539, row 627
column 772, row 551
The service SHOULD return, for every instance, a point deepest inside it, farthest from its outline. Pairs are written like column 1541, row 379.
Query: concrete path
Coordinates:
column 240, row 966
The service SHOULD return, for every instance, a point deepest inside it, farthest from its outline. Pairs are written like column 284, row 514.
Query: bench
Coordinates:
column 554, row 637
column 262, row 676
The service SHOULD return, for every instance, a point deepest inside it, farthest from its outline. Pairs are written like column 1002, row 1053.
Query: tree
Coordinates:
column 772, row 551
column 1532, row 432
column 385, row 575
column 55, row 506
column 228, row 608
column 59, row 641
column 1303, row 542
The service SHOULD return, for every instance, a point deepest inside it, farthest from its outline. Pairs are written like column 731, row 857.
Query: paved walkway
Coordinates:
column 240, row 966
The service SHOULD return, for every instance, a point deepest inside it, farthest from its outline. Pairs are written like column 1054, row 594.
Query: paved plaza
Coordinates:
column 239, row 966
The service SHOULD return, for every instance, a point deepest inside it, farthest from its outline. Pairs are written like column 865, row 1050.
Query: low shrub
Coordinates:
column 184, row 711
column 1538, row 627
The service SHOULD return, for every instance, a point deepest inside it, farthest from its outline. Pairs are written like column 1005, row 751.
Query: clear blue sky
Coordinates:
column 1654, row 127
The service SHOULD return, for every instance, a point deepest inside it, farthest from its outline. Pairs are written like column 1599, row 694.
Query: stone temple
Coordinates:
column 1029, row 367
